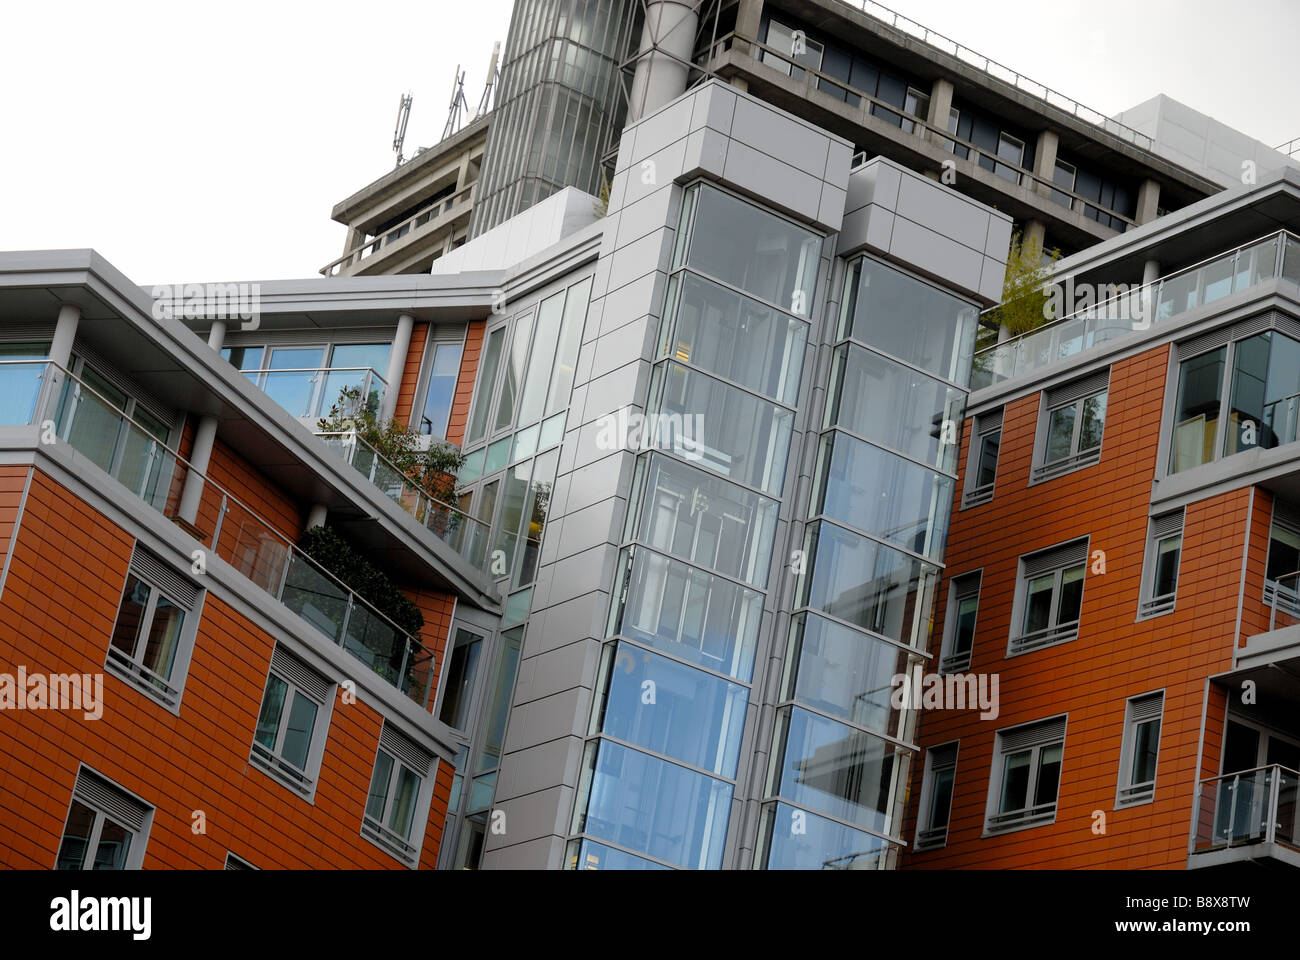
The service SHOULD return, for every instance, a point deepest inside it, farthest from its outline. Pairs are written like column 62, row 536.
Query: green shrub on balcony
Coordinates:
column 325, row 546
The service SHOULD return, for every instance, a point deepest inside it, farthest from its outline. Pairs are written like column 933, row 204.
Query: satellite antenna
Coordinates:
column 485, row 104
column 399, row 132
column 457, row 104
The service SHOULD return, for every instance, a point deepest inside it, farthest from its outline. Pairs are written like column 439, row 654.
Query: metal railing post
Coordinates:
column 1275, row 775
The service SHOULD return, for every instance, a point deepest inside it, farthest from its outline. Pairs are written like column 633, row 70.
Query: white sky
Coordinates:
column 190, row 141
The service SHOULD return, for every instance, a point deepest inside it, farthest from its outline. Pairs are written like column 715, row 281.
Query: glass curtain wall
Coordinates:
column 674, row 685
column 878, row 518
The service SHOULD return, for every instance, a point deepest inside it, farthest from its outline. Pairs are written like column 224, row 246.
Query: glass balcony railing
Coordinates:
column 311, row 392
column 1274, row 256
column 125, row 449
column 1251, row 806
column 467, row 536
column 1283, row 597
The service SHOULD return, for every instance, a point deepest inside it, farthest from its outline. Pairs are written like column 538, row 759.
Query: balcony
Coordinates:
column 467, row 536
column 308, row 393
column 1246, row 816
column 402, row 240
column 155, row 474
column 1274, row 256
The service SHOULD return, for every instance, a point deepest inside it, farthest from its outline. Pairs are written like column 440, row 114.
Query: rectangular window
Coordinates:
column 936, row 797
column 916, row 104
column 1196, row 410
column 106, row 829
column 237, row 863
column 1071, row 426
column 982, row 466
column 1164, row 549
column 153, row 635
column 1063, row 176
column 1141, row 746
column 957, row 149
column 1282, row 568
column 440, row 391
column 290, row 734
column 397, row 802
column 485, row 389
column 1049, row 597
column 959, row 624
column 462, row 669
column 1012, row 150
column 1026, row 775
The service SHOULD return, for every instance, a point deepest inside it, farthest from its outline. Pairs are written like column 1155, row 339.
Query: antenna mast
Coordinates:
column 458, row 104
column 399, row 132
column 485, row 104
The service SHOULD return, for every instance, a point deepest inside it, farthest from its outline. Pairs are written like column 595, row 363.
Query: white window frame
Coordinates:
column 1138, row 711
column 148, row 567
column 1013, row 741
column 234, row 862
column 983, row 426
column 101, row 795
column 910, row 115
column 402, row 755
column 268, row 760
column 939, row 758
column 1160, row 529
column 438, row 338
column 959, row 588
column 1000, row 161
column 1074, row 179
column 1055, row 632
column 1074, row 394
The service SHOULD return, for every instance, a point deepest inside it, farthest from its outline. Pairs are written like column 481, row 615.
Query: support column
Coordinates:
column 200, row 456
column 316, row 516
column 940, row 108
column 65, row 333
column 1045, row 160
column 749, row 17
column 396, row 366
column 1148, row 202
column 1035, row 232
column 217, row 335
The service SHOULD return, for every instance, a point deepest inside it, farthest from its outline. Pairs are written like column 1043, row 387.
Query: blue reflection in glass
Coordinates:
column 883, row 494
column 596, row 856
column 843, row 672
column 798, row 840
column 835, row 769
column 673, row 709
column 656, row 807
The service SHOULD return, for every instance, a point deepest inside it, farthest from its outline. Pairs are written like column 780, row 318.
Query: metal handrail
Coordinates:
column 320, row 376
column 55, row 399
column 1004, row 75
column 1147, row 296
column 947, row 140
column 1285, row 595
column 1268, row 805
column 363, row 250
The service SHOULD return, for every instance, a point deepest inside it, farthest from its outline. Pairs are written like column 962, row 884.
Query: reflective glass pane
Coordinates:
column 880, row 493
column 268, row 719
column 738, row 338
column 1094, row 420
column 674, row 710
column 1060, row 433
column 1038, row 603
column 402, row 812
column 987, row 462
column 535, row 513
column 1071, row 595
column 1196, row 413
column 1015, row 782
column 164, row 637
column 941, row 798
column 566, row 357
column 441, row 391
column 91, row 417
column 541, row 360
column 1146, row 742
column 909, row 319
column 19, row 381
column 688, row 613
column 489, row 364
column 462, row 667
column 130, row 615
column 295, row 385
column 757, row 251
column 647, row 804
column 589, row 855
column 1049, row 774
column 1262, row 411
column 825, row 766
column 377, row 799
column 798, row 840
column 1166, row 576
column 503, row 687
column 297, row 735
column 964, row 634
column 866, row 583
column 721, row 428
column 515, row 361
column 838, row 670
column 895, row 406
column 349, row 365
column 698, row 517
column 114, row 844
column 76, row 837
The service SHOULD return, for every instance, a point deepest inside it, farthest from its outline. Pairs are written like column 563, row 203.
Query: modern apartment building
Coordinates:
column 698, row 305
column 1123, row 554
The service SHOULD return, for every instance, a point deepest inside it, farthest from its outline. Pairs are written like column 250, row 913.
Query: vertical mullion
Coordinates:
column 285, row 709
